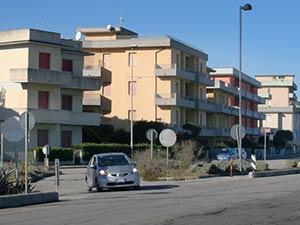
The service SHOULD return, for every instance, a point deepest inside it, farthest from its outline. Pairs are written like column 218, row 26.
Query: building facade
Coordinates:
column 281, row 106
column 226, row 92
column 42, row 73
column 166, row 78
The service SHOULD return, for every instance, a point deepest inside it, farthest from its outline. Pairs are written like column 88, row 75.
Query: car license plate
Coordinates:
column 120, row 180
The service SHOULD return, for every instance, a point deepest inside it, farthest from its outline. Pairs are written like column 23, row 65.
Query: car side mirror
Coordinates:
column 93, row 167
column 134, row 163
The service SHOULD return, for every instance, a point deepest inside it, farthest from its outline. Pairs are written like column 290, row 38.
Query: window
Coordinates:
column 66, row 102
column 66, row 138
column 67, row 65
column 133, row 115
column 42, row 138
column 107, row 60
column 106, row 90
column 132, row 59
column 132, row 88
column 44, row 60
column 43, row 100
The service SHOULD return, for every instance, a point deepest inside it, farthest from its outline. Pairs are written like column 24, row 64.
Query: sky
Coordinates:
column 271, row 34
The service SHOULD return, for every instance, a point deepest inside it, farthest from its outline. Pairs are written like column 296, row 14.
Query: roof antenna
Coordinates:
column 121, row 20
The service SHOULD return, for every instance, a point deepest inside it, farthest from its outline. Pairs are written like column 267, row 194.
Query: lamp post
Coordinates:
column 246, row 7
column 131, row 100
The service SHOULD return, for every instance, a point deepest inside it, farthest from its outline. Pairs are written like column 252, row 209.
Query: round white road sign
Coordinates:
column 31, row 120
column 234, row 131
column 12, row 130
column 167, row 137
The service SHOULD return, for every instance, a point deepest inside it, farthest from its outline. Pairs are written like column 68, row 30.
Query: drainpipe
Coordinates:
column 155, row 63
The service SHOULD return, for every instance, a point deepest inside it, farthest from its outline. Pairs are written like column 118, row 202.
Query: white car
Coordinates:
column 231, row 153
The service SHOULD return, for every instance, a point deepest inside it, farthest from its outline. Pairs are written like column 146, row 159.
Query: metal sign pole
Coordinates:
column 265, row 146
column 2, row 152
column 167, row 157
column 56, row 162
column 151, row 145
column 26, row 152
column 16, row 161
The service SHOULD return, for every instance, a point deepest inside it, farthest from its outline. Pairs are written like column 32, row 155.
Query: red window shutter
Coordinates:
column 42, row 137
column 66, row 138
column 67, row 65
column 66, row 102
column 43, row 100
column 44, row 60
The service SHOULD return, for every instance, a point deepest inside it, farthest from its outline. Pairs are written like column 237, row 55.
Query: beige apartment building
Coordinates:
column 42, row 73
column 281, row 108
column 167, row 78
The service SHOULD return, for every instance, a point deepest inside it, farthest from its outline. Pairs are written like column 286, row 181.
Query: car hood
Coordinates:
column 119, row 169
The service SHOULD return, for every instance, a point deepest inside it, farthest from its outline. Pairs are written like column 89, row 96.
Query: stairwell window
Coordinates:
column 43, row 99
column 132, row 88
column 132, row 59
column 67, row 65
column 66, row 102
column 44, row 60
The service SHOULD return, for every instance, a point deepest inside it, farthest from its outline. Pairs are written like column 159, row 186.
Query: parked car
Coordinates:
column 111, row 170
column 231, row 153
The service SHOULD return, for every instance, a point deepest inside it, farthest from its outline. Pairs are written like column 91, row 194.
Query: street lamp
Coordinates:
column 246, row 7
column 131, row 100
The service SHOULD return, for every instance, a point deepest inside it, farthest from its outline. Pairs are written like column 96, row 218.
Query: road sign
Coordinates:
column 12, row 130
column 234, row 131
column 154, row 134
column 31, row 120
column 167, row 137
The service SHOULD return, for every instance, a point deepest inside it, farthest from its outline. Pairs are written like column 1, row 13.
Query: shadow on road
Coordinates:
column 157, row 187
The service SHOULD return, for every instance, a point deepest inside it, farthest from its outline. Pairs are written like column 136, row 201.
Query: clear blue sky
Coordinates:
column 271, row 34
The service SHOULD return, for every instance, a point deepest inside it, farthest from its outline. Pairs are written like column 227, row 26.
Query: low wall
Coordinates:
column 27, row 199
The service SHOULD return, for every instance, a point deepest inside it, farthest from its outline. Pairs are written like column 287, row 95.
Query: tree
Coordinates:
column 282, row 138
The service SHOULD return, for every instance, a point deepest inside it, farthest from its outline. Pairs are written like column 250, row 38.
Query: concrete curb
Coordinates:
column 29, row 199
column 273, row 173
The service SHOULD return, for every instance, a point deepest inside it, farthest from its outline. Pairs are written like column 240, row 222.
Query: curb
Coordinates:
column 27, row 199
column 273, row 173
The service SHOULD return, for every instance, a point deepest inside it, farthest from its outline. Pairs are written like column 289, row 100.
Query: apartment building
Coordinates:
column 225, row 93
column 42, row 73
column 281, row 108
column 166, row 77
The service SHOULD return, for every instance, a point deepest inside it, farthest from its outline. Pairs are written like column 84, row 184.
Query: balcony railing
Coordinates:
column 91, row 99
column 64, row 79
column 172, row 99
column 65, row 117
column 172, row 70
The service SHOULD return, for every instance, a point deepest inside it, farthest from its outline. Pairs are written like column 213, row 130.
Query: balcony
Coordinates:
column 172, row 99
column 65, row 117
column 65, row 79
column 204, row 105
column 279, row 83
column 91, row 99
column 172, row 70
column 207, row 132
column 105, row 105
column 293, row 96
column 91, row 71
column 222, row 132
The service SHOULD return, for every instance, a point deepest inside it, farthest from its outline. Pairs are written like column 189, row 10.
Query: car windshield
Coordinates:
column 113, row 160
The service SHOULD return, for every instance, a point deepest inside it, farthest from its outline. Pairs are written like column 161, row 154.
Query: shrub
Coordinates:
column 63, row 154
column 291, row 163
column 149, row 169
column 261, row 166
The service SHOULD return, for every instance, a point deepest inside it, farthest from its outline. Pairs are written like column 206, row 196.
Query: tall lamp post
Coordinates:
column 131, row 100
column 246, row 7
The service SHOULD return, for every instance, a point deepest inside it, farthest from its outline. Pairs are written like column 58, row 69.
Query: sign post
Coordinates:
column 265, row 131
column 236, row 135
column 56, row 162
column 151, row 135
column 27, row 122
column 2, row 151
column 167, row 138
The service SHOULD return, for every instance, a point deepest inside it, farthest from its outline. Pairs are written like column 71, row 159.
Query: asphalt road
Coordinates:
column 223, row 200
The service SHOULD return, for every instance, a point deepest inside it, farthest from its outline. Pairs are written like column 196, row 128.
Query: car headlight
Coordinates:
column 102, row 172
column 134, row 170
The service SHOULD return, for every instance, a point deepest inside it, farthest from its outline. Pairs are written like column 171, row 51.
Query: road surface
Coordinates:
column 223, row 200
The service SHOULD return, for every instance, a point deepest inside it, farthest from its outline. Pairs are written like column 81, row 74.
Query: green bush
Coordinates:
column 261, row 166
column 291, row 163
column 63, row 154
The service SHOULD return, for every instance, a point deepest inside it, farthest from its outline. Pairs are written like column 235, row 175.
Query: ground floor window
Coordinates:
column 66, row 138
column 42, row 138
